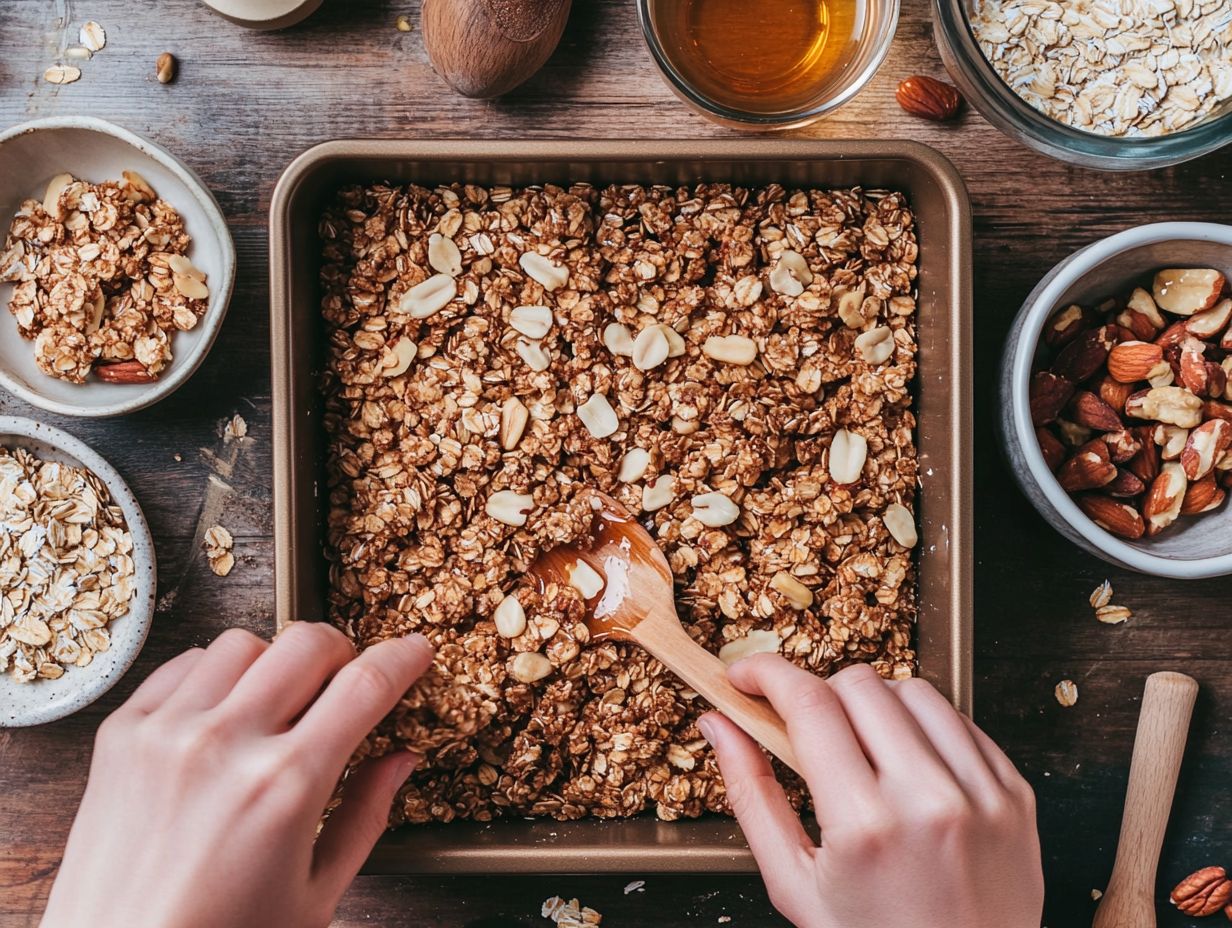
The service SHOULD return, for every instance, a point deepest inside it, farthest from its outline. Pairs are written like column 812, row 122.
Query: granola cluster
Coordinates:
column 733, row 364
column 102, row 279
column 66, row 570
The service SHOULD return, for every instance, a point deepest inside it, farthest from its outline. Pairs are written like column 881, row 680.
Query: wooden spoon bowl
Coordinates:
column 637, row 603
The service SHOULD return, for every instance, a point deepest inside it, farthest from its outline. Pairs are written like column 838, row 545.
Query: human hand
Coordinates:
column 207, row 785
column 924, row 821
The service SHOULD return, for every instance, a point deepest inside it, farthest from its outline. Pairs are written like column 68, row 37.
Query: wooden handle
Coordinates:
column 670, row 643
column 1159, row 745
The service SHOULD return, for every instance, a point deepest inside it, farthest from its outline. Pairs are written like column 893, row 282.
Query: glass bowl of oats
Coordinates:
column 77, row 574
column 1119, row 86
column 116, row 268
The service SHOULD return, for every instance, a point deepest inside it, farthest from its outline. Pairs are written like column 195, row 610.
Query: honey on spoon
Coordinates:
column 630, row 597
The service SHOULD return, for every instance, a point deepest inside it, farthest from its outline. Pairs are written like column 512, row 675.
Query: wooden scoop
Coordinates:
column 1163, row 727
column 638, row 603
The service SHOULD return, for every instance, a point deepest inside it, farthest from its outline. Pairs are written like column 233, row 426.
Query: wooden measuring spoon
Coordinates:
column 484, row 48
column 638, row 603
column 1159, row 745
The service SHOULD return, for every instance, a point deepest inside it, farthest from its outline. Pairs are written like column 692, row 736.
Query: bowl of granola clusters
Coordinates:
column 77, row 570
column 1112, row 84
column 116, row 268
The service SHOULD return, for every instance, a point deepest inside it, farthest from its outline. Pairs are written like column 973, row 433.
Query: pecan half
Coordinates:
column 1203, row 893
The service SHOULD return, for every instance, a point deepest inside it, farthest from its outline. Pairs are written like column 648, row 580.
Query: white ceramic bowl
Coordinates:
column 42, row 701
column 1194, row 547
column 94, row 150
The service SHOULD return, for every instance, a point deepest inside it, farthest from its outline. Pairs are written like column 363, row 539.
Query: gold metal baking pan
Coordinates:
column 943, row 401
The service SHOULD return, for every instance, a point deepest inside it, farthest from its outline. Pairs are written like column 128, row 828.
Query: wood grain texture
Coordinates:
column 246, row 103
column 1159, row 746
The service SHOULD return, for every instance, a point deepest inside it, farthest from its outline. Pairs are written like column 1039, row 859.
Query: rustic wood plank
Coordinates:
column 246, row 103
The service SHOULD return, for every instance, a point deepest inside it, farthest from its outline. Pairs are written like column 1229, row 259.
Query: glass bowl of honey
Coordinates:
column 767, row 64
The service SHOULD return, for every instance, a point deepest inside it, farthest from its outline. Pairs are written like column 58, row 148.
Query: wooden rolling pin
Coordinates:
column 1159, row 745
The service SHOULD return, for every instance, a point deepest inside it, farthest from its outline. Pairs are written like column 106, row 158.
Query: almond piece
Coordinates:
column 1088, row 409
column 1115, row 393
column 123, row 372
column 532, row 321
column 900, row 523
column 1211, row 322
column 733, row 349
column 1205, row 445
column 513, row 421
column 1202, row 496
column 1126, row 485
column 1090, row 468
column 1171, row 441
column 1130, row 362
column 509, row 617
column 715, row 509
column 848, row 453
column 1144, row 314
column 1113, row 516
column 1173, row 335
column 427, row 297
column 1213, row 409
column 1193, row 375
column 443, row 255
column 1074, row 435
column 1163, row 500
column 1067, row 325
column 1145, row 464
column 541, row 269
column 1048, row 395
column 795, row 592
column 1051, row 448
column 1186, row 291
column 510, row 507
column 529, row 667
column 1083, row 357
column 758, row 641
column 876, row 346
column 1122, row 444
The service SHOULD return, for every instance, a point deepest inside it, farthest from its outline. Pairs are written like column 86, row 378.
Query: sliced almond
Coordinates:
column 757, row 641
column 428, row 297
column 659, row 494
column 510, row 618
column 848, row 452
column 179, row 264
column 650, row 348
column 513, row 421
column 715, row 509
column 633, row 465
column 190, row 287
column 900, row 523
column 551, row 276
column 731, row 349
column 443, row 255
column 598, row 416
column 876, row 345
column 510, row 507
column 585, row 579
column 532, row 321
column 795, row 592
column 618, row 339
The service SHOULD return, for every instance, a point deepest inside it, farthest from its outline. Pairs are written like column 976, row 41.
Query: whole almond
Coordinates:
column 1130, row 362
column 928, row 97
column 1050, row 446
column 1125, row 486
column 1115, row 393
column 1048, row 395
column 1113, row 516
column 123, row 372
column 1088, row 409
column 1202, row 496
column 1090, row 468
column 1084, row 356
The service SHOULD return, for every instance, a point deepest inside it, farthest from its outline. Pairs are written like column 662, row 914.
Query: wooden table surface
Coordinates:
column 246, row 103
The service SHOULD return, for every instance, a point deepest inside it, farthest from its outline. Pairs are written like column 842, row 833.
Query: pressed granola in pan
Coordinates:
column 450, row 393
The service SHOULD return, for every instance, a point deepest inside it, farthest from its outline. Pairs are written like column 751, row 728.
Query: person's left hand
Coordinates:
column 207, row 786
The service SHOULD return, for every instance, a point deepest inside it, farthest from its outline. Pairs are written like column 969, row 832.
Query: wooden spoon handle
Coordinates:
column 670, row 643
column 1159, row 745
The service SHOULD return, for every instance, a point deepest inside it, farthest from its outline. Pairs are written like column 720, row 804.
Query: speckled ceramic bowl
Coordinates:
column 1194, row 547
column 42, row 701
column 94, row 150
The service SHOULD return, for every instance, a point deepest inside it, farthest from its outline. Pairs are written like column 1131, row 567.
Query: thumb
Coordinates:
column 354, row 827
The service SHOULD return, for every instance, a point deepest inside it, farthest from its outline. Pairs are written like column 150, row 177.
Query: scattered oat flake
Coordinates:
column 403, row 24
column 635, row 887
column 570, row 914
column 235, row 429
column 218, row 538
column 178, row 457
column 1113, row 614
column 724, row 919
column 222, row 564
column 93, row 36
column 78, row 53
column 1096, row 894
column 1102, row 595
column 1066, row 693
column 62, row 74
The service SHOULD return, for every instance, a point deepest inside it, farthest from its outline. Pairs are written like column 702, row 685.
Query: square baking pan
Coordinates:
column 942, row 400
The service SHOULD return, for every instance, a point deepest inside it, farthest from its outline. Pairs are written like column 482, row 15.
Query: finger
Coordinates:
column 159, row 685
column 838, row 774
column 354, row 827
column 891, row 739
column 949, row 736
column 996, row 759
column 216, row 672
column 358, row 697
column 290, row 674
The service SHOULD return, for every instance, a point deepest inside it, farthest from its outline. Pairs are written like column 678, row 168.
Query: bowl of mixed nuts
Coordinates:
column 78, row 572
column 1116, row 393
column 115, row 269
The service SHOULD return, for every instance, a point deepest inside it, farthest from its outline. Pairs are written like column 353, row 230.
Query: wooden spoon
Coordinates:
column 638, row 603
column 1159, row 745
column 484, row 48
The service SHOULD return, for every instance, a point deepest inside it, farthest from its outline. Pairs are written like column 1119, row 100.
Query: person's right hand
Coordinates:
column 925, row 823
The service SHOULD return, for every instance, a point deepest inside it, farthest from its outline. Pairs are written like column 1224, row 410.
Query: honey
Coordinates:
column 758, row 56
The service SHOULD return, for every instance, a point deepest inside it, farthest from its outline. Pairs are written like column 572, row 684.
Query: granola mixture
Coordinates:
column 102, row 279
column 1114, row 67
column 66, row 570
column 732, row 363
